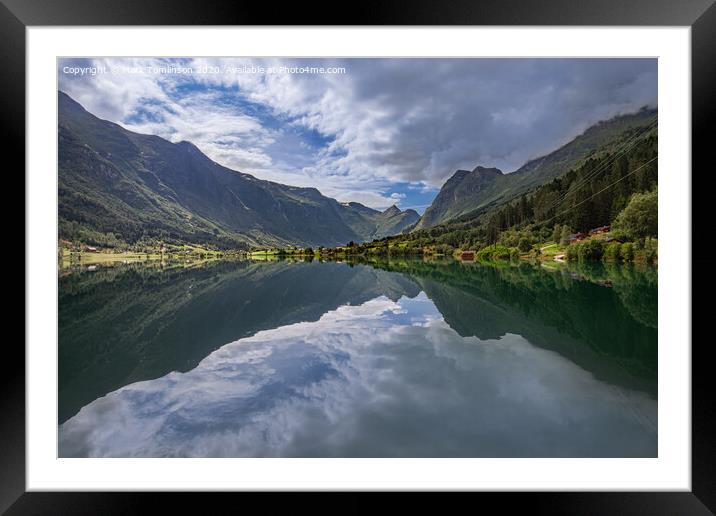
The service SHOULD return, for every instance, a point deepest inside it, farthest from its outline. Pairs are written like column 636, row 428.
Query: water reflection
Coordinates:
column 133, row 323
column 395, row 359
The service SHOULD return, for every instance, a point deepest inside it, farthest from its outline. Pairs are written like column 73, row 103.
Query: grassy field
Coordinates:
column 87, row 258
column 548, row 250
column 69, row 257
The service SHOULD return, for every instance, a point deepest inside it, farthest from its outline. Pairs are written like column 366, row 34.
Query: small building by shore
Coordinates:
column 599, row 231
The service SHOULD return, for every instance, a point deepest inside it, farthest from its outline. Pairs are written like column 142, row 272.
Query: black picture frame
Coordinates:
column 700, row 15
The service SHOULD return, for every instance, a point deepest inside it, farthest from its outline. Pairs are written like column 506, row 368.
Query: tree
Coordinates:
column 627, row 252
column 564, row 238
column 590, row 250
column 556, row 233
column 639, row 219
column 493, row 230
column 524, row 245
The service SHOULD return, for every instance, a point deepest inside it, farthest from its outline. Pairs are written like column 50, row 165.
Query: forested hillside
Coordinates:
column 586, row 197
column 483, row 187
column 118, row 188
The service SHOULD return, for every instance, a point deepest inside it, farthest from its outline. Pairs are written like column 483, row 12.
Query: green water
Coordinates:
column 388, row 359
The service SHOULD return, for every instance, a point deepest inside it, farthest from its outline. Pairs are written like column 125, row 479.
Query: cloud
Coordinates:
column 381, row 122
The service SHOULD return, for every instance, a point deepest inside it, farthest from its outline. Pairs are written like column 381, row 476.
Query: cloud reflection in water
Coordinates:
column 382, row 379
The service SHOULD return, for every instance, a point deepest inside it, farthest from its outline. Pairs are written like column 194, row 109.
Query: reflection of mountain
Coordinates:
column 579, row 319
column 378, row 379
column 128, row 324
column 124, row 325
column 635, row 285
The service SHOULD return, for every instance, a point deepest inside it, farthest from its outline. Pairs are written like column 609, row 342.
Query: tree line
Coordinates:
column 594, row 194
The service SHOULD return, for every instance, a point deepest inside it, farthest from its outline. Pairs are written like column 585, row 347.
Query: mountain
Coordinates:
column 117, row 186
column 467, row 191
column 372, row 224
column 393, row 221
column 458, row 194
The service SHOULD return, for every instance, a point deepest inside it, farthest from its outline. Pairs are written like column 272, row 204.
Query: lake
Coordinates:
column 399, row 358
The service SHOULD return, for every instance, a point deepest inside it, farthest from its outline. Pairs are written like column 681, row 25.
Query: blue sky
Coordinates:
column 379, row 131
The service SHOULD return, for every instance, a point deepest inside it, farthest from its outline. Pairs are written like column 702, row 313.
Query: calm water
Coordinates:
column 399, row 359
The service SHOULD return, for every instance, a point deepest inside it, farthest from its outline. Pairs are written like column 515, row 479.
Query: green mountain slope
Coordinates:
column 468, row 191
column 458, row 194
column 372, row 224
column 117, row 186
column 393, row 221
column 586, row 197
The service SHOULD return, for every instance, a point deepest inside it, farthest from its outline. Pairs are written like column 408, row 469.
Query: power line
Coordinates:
column 602, row 190
column 625, row 147
column 619, row 152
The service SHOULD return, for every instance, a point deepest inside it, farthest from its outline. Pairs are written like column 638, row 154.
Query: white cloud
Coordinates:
column 384, row 120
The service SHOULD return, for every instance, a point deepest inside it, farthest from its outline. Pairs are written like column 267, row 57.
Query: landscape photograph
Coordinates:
column 357, row 257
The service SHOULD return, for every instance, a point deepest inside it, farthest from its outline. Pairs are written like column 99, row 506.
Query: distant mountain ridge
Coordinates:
column 457, row 192
column 468, row 191
column 116, row 185
column 372, row 224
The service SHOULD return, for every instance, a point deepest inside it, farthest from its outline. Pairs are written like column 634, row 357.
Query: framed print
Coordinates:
column 426, row 252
